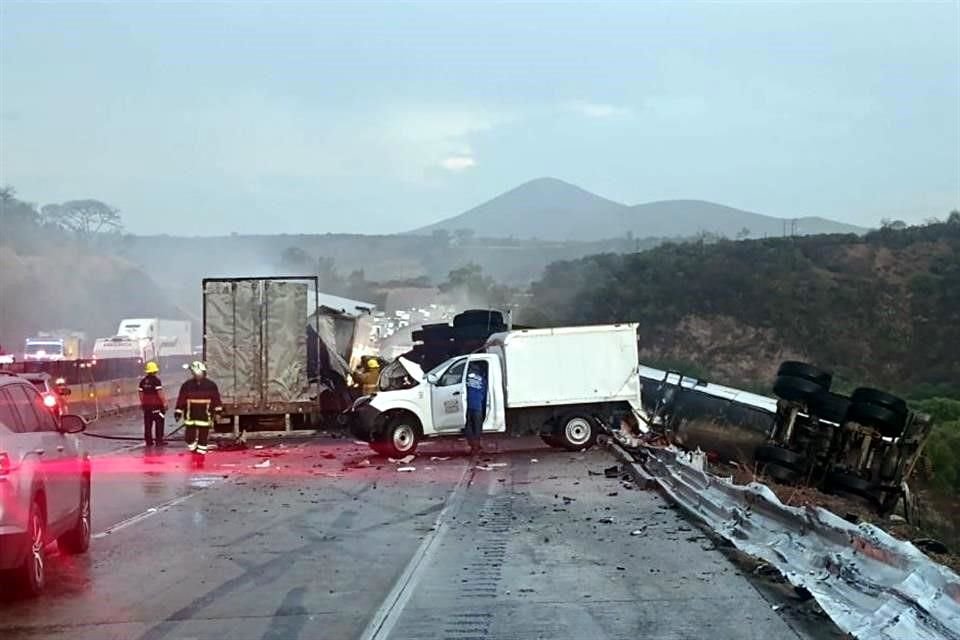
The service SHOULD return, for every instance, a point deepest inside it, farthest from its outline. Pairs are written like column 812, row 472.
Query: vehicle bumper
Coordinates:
column 363, row 422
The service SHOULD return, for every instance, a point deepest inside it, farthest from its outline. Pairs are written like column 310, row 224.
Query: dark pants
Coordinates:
column 196, row 439
column 474, row 426
column 153, row 425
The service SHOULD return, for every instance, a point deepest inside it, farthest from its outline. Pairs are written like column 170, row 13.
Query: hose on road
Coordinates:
column 128, row 438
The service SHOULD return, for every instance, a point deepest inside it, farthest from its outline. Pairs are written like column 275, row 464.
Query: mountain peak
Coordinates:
column 552, row 209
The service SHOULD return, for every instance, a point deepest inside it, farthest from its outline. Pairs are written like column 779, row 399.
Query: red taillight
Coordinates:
column 49, row 401
column 5, row 465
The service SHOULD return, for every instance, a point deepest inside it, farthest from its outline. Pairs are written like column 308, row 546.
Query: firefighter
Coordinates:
column 198, row 404
column 368, row 376
column 153, row 402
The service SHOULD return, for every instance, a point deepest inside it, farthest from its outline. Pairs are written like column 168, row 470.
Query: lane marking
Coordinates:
column 140, row 517
column 388, row 613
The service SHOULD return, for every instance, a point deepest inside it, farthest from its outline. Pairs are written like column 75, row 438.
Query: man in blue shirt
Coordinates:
column 476, row 403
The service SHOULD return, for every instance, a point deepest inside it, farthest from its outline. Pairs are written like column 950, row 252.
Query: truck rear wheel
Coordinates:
column 399, row 438
column 576, row 432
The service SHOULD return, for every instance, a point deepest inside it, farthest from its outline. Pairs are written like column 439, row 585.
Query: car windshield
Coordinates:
column 36, row 348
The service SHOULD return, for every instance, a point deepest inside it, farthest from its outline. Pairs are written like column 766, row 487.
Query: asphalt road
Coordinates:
column 527, row 544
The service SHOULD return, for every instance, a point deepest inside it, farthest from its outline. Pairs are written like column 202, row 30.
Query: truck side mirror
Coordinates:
column 431, row 378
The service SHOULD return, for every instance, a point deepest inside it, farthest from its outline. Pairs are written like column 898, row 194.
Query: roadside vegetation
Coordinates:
column 61, row 267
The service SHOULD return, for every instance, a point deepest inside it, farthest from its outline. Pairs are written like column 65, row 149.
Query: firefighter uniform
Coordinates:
column 198, row 403
column 153, row 403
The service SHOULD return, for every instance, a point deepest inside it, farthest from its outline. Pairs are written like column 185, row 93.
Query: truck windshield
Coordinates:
column 394, row 377
column 50, row 348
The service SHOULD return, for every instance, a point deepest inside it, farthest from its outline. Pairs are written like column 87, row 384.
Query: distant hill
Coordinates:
column 551, row 209
column 882, row 309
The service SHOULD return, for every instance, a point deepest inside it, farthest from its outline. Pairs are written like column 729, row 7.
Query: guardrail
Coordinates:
column 90, row 370
column 872, row 585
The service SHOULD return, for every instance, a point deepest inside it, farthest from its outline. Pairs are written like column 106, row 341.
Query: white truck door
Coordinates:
column 495, row 418
column 448, row 398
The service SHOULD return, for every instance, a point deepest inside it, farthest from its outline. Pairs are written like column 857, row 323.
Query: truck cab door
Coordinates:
column 494, row 420
column 448, row 398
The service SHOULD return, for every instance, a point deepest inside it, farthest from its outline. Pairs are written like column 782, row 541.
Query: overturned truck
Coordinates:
column 280, row 358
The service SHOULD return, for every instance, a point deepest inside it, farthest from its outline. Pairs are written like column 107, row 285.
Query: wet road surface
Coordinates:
column 527, row 544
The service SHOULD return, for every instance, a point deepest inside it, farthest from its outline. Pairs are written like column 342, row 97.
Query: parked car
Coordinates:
column 44, row 484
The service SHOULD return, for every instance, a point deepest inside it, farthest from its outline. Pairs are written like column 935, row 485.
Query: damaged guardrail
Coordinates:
column 871, row 584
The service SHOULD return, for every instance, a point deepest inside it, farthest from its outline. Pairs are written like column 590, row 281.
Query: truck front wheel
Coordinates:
column 398, row 439
column 576, row 432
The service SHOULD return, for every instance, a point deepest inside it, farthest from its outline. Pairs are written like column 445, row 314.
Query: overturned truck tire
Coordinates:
column 887, row 421
column 796, row 389
column 806, row 371
column 866, row 395
column 780, row 464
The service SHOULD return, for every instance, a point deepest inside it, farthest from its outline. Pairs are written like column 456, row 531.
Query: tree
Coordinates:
column 85, row 218
column 743, row 234
column 894, row 225
column 954, row 217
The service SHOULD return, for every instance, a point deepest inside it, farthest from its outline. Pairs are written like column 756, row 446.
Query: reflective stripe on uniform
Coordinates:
column 202, row 449
column 192, row 446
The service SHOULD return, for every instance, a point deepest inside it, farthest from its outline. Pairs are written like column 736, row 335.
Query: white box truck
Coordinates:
column 146, row 339
column 562, row 383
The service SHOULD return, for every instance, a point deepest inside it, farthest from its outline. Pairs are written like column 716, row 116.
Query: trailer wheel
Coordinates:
column 399, row 438
column 830, row 406
column 782, row 475
column 840, row 482
column 887, row 421
column 576, row 432
column 880, row 398
column 769, row 454
column 806, row 371
column 796, row 389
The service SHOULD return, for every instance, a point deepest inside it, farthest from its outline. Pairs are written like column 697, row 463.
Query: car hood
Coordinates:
column 415, row 371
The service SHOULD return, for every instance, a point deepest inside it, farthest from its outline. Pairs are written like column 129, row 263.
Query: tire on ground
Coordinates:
column 781, row 474
column 576, row 431
column 887, row 421
column 77, row 539
column 399, row 437
column 830, row 406
column 796, row 389
column 867, row 395
column 771, row 454
column 806, row 371
column 842, row 482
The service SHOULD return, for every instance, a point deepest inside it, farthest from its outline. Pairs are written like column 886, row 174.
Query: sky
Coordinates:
column 366, row 117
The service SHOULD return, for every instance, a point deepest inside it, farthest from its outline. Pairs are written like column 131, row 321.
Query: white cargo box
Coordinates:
column 568, row 365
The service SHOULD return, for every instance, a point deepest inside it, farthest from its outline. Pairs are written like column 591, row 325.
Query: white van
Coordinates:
column 562, row 383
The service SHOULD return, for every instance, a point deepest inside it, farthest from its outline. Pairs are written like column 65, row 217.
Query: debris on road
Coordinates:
column 439, row 458
column 404, row 460
column 262, row 465
column 406, row 469
column 605, row 520
column 534, row 460
column 612, row 472
column 638, row 532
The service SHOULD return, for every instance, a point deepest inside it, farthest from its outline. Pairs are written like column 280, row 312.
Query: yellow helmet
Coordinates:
column 372, row 363
column 151, row 367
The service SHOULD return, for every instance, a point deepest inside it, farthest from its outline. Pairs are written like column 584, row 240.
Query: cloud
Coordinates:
column 597, row 110
column 458, row 162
